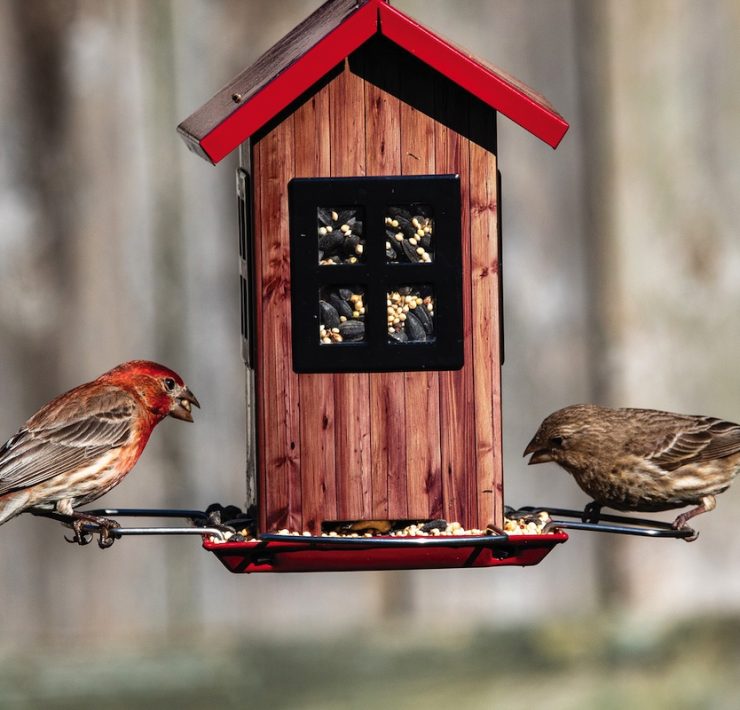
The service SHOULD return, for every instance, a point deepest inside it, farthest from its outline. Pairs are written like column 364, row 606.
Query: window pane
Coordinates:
column 410, row 314
column 340, row 236
column 341, row 314
column 408, row 232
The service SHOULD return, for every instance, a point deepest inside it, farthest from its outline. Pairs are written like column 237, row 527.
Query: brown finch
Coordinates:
column 641, row 459
column 83, row 443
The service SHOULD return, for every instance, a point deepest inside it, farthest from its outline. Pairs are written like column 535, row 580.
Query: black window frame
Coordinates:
column 375, row 274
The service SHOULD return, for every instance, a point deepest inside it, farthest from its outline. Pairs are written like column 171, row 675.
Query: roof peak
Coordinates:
column 323, row 40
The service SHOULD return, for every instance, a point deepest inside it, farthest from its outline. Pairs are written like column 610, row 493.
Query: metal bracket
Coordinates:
column 617, row 524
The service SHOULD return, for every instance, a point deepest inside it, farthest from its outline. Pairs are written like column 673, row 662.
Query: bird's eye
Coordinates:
column 556, row 441
column 169, row 383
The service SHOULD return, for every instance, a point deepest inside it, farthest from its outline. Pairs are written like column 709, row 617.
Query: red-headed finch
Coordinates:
column 641, row 459
column 83, row 443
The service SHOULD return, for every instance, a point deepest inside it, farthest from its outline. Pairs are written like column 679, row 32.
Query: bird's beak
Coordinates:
column 539, row 455
column 182, row 408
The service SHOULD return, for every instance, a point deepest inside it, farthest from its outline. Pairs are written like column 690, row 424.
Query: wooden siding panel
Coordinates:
column 318, row 476
column 351, row 391
column 456, row 388
column 422, row 433
column 485, row 322
column 387, row 390
column 278, row 384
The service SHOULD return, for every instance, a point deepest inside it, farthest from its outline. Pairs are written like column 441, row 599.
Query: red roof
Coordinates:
column 322, row 41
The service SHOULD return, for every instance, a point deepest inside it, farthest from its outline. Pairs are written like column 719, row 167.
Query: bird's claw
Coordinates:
column 105, row 540
column 85, row 537
column 81, row 536
column 680, row 524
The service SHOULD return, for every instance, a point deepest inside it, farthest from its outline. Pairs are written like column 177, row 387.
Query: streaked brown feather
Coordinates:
column 67, row 434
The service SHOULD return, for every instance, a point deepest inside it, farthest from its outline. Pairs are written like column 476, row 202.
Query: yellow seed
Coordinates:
column 430, row 306
column 353, row 260
column 335, row 330
column 355, row 314
column 394, row 223
column 415, row 222
column 358, row 249
column 420, row 251
column 338, row 339
column 344, row 228
column 399, row 237
column 329, row 229
column 402, row 316
column 389, row 310
column 334, row 215
column 322, row 231
column 387, row 245
column 419, row 232
column 362, row 310
column 342, row 319
column 413, row 241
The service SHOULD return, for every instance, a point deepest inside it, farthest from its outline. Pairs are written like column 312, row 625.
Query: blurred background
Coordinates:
column 622, row 287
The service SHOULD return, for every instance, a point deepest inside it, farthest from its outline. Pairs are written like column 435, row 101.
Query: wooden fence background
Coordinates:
column 622, row 285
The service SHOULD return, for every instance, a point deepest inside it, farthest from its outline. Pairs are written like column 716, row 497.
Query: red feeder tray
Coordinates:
column 293, row 553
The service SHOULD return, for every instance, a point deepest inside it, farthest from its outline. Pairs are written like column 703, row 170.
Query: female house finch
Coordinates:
column 83, row 443
column 641, row 459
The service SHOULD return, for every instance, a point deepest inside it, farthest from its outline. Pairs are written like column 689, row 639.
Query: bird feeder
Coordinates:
column 370, row 260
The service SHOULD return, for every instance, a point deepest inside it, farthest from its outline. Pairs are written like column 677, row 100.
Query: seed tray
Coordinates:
column 272, row 552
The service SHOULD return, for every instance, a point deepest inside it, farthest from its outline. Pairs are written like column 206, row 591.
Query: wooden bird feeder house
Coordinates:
column 370, row 242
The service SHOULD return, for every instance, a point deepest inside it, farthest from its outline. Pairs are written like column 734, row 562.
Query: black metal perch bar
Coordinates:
column 606, row 523
column 197, row 528
column 201, row 523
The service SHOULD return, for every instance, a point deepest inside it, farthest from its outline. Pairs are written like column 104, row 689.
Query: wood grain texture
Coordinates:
column 485, row 322
column 387, row 390
column 351, row 391
column 423, row 461
column 318, row 472
column 456, row 388
column 278, row 386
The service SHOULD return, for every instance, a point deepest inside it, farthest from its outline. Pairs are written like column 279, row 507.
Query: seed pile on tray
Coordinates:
column 340, row 236
column 341, row 315
column 410, row 314
column 533, row 524
column 408, row 234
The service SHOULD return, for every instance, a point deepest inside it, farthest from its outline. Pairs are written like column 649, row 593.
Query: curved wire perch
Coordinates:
column 622, row 524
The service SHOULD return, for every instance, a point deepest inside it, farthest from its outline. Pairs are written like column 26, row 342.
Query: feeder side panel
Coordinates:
column 318, row 472
column 351, row 391
column 387, row 389
column 485, row 320
column 423, row 456
column 456, row 387
column 278, row 384
column 257, row 187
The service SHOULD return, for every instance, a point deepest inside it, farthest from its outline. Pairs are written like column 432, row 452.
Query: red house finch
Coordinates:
column 641, row 459
column 83, row 443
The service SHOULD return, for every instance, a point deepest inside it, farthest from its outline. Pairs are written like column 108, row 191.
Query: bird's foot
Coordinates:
column 84, row 537
column 591, row 512
column 81, row 536
column 680, row 524
column 106, row 539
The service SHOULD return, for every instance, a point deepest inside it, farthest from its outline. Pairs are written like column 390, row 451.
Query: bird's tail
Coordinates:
column 12, row 504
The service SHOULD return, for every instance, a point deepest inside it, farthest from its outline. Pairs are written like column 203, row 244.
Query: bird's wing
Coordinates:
column 706, row 438
column 68, row 433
